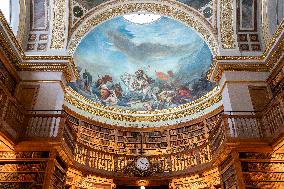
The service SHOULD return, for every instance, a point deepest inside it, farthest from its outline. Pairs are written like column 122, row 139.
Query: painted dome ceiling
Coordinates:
column 156, row 65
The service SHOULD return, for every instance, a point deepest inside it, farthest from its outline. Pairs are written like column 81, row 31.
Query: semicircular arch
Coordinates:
column 169, row 8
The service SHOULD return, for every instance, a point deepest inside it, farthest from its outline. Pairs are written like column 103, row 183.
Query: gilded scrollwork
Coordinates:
column 226, row 25
column 59, row 25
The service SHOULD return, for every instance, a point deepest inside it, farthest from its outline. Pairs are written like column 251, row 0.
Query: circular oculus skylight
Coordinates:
column 142, row 18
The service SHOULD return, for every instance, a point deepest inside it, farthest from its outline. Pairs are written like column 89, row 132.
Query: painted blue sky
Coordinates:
column 117, row 46
column 173, row 58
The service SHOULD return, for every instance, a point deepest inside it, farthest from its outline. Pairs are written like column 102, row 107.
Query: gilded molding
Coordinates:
column 10, row 53
column 121, row 7
column 148, row 129
column 274, row 38
column 226, row 25
column 125, row 111
column 79, row 102
column 56, row 58
column 47, row 67
column 239, row 67
column 275, row 55
column 59, row 24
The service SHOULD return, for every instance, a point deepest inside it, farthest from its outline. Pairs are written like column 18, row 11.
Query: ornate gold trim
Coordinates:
column 59, row 24
column 47, row 67
column 125, row 111
column 9, row 52
column 149, row 129
column 18, row 59
column 116, row 8
column 226, row 25
column 135, row 117
column 62, row 85
column 56, row 58
column 238, row 67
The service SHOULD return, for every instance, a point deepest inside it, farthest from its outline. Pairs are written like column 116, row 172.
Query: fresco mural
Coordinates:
column 142, row 67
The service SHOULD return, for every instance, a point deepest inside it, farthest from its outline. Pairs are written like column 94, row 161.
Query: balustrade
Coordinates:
column 169, row 163
column 113, row 149
column 43, row 124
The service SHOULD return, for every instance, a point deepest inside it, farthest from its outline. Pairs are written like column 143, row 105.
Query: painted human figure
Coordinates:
column 108, row 96
column 87, row 78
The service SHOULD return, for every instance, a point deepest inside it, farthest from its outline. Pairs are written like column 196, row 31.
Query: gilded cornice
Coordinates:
column 148, row 129
column 125, row 111
column 172, row 9
column 115, row 114
column 68, row 59
column 239, row 67
column 47, row 67
column 9, row 52
column 13, row 54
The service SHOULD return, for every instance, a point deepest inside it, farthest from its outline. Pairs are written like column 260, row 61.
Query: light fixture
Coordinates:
column 142, row 187
column 142, row 18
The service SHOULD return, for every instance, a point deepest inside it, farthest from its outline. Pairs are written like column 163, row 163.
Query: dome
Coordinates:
column 142, row 62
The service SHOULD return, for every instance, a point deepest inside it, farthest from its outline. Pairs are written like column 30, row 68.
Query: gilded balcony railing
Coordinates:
column 170, row 164
column 112, row 150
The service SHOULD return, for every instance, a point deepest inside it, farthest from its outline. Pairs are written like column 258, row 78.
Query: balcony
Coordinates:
column 109, row 151
column 266, row 126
